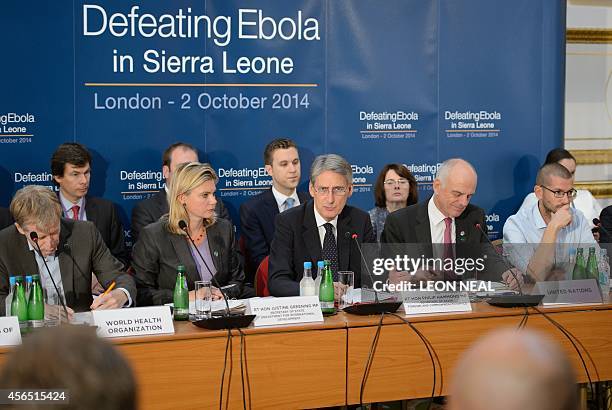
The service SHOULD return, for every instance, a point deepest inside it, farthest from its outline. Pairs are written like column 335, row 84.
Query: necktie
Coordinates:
column 330, row 250
column 289, row 202
column 75, row 212
column 448, row 247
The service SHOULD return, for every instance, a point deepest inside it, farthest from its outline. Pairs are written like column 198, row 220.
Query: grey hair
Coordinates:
column 37, row 205
column 331, row 162
column 448, row 165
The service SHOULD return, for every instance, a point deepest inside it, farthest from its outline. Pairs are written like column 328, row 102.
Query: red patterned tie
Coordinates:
column 75, row 212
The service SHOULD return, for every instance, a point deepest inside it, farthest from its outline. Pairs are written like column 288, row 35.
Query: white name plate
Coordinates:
column 9, row 331
column 153, row 320
column 436, row 302
column 284, row 311
column 585, row 291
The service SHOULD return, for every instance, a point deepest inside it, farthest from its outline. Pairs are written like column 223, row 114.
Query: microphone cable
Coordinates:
column 432, row 354
column 228, row 348
column 245, row 372
column 369, row 361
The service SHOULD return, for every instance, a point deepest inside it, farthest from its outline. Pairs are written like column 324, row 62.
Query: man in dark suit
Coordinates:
column 282, row 162
column 319, row 229
column 446, row 223
column 5, row 218
column 605, row 220
column 71, row 169
column 150, row 210
column 71, row 249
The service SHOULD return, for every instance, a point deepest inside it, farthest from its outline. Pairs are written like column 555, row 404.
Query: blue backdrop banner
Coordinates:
column 407, row 81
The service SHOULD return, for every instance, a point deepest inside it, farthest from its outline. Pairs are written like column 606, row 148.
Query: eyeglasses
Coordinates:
column 571, row 194
column 393, row 182
column 337, row 190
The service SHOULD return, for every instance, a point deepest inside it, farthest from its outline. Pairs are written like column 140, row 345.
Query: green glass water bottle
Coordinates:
column 36, row 304
column 592, row 272
column 19, row 305
column 326, row 290
column 181, row 295
column 579, row 271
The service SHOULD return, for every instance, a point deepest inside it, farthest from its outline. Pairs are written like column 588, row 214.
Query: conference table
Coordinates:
column 322, row 364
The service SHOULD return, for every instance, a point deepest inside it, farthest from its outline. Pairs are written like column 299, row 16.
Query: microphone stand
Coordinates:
column 34, row 238
column 228, row 320
column 509, row 301
column 377, row 307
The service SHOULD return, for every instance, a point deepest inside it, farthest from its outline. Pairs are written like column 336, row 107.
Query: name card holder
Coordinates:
column 9, row 331
column 153, row 320
column 582, row 291
column 436, row 302
column 284, row 311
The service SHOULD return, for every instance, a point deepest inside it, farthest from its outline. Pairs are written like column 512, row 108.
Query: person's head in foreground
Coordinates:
column 72, row 358
column 514, row 370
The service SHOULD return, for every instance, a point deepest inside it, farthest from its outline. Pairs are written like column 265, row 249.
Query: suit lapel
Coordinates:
column 423, row 230
column 183, row 253
column 344, row 244
column 27, row 258
column 270, row 206
column 161, row 200
column 91, row 211
column 213, row 244
column 65, row 262
column 310, row 233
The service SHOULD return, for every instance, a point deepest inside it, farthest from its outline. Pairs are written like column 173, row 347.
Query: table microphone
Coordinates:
column 520, row 300
column 377, row 307
column 34, row 238
column 228, row 320
column 598, row 224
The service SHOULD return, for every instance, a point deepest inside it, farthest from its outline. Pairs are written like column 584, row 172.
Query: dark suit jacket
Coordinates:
column 105, row 217
column 5, row 218
column 257, row 224
column 410, row 225
column 606, row 221
column 297, row 240
column 150, row 210
column 81, row 251
column 158, row 252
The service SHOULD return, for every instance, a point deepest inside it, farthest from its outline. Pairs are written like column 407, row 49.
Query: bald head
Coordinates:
column 454, row 186
column 514, row 370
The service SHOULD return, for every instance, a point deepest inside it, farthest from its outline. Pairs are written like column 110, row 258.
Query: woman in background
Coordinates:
column 395, row 188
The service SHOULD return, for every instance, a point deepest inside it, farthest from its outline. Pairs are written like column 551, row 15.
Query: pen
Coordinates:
column 111, row 287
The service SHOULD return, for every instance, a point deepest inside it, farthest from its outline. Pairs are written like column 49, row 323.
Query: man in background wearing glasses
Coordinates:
column 324, row 228
column 545, row 224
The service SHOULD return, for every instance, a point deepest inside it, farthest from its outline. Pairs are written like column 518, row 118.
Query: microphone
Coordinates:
column 34, row 238
column 229, row 320
column 377, row 307
column 520, row 300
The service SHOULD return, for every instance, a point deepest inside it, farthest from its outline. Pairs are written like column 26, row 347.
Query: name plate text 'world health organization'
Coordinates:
column 284, row 311
column 153, row 320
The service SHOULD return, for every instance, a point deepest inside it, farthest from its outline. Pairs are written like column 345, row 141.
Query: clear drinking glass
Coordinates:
column 344, row 289
column 203, row 299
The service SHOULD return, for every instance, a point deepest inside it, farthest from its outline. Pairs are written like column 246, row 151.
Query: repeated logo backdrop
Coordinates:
column 407, row 81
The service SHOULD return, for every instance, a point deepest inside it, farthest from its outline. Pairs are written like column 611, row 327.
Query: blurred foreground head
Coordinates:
column 514, row 370
column 94, row 373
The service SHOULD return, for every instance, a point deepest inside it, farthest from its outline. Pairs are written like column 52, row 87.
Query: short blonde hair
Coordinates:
column 187, row 177
column 36, row 205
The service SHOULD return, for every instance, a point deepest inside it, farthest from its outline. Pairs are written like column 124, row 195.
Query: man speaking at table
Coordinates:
column 447, row 225
column 325, row 228
column 71, row 249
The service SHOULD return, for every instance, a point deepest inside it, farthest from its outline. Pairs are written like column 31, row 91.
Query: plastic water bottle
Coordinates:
column 320, row 266
column 604, row 271
column 9, row 297
column 307, row 284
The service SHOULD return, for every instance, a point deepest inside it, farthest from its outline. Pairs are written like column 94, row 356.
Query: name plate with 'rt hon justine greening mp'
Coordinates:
column 283, row 311
column 153, row 320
